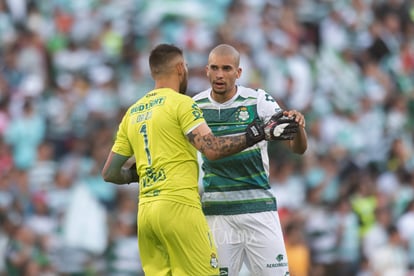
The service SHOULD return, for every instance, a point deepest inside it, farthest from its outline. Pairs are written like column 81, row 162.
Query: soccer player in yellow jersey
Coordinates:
column 162, row 131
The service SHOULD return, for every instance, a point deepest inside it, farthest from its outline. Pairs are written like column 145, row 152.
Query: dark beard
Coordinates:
column 183, row 87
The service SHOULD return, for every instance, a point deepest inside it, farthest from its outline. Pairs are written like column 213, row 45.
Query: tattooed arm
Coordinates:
column 214, row 147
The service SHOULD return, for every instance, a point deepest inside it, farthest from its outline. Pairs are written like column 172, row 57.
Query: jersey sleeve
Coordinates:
column 189, row 115
column 122, row 145
column 266, row 105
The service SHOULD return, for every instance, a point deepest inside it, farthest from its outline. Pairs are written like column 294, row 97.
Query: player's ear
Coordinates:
column 239, row 72
column 181, row 68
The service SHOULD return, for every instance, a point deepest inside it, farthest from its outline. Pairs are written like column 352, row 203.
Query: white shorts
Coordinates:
column 255, row 239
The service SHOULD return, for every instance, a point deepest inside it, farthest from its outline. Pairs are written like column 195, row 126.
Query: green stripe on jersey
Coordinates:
column 239, row 207
column 241, row 183
column 237, row 172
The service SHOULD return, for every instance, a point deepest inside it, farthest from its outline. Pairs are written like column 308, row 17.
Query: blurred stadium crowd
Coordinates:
column 69, row 68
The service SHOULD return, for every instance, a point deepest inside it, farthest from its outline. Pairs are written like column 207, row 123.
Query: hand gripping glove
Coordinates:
column 254, row 133
column 280, row 127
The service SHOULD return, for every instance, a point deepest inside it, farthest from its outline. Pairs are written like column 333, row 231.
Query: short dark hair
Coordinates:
column 161, row 56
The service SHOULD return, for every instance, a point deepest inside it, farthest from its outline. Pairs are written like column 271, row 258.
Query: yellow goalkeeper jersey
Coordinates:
column 154, row 130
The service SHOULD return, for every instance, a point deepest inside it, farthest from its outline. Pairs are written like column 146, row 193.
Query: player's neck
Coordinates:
column 167, row 83
column 225, row 96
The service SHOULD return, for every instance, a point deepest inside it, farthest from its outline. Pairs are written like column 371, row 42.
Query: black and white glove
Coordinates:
column 280, row 127
column 254, row 133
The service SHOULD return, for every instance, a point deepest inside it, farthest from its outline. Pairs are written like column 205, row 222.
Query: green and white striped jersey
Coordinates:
column 237, row 184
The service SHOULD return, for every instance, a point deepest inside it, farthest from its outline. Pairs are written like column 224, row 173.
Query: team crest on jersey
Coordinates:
column 242, row 114
column 213, row 261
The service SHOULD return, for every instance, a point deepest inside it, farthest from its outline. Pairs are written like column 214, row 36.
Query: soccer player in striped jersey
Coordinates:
column 240, row 209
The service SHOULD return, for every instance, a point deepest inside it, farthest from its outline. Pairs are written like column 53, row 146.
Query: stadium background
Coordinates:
column 69, row 68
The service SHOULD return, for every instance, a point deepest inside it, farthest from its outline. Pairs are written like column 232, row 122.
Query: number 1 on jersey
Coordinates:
column 143, row 131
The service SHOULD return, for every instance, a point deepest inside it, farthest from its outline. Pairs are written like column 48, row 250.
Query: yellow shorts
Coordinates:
column 174, row 239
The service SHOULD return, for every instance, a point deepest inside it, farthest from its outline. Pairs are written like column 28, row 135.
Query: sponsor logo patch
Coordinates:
column 279, row 263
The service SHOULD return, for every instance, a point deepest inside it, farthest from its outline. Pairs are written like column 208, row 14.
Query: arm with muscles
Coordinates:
column 299, row 143
column 214, row 147
column 120, row 169
column 288, row 126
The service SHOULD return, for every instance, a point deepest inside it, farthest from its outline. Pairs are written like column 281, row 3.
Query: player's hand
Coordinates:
column 129, row 172
column 133, row 172
column 254, row 133
column 281, row 127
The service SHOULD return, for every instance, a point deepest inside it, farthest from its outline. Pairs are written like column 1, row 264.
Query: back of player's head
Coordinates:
column 163, row 57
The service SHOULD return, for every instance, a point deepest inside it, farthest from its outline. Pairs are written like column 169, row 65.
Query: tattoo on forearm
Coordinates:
column 191, row 137
column 224, row 145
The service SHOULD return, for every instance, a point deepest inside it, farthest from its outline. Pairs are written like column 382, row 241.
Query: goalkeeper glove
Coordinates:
column 280, row 127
